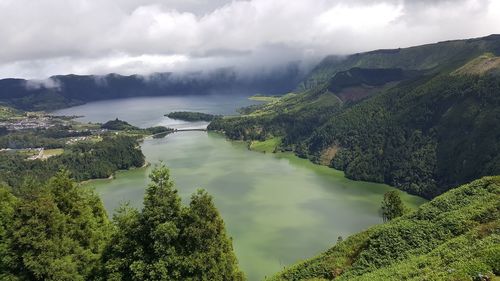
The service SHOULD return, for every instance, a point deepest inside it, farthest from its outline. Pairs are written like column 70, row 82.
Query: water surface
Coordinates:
column 149, row 111
column 277, row 208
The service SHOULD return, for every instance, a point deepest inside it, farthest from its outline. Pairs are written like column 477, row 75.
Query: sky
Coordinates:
column 40, row 38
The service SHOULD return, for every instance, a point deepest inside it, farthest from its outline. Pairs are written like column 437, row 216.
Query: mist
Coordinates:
column 50, row 37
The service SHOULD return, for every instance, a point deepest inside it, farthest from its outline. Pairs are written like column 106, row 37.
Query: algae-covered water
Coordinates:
column 278, row 208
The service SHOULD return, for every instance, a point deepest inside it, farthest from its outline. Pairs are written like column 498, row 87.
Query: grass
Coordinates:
column 27, row 152
column 264, row 98
column 486, row 63
column 52, row 152
column 267, row 146
column 7, row 112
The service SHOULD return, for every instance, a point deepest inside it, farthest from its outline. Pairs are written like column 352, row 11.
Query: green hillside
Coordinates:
column 421, row 132
column 431, row 58
column 456, row 236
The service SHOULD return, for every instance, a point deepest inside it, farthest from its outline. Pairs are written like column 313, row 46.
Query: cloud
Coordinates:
column 46, row 37
column 49, row 83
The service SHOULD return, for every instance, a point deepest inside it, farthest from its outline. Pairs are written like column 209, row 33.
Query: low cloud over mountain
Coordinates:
column 47, row 37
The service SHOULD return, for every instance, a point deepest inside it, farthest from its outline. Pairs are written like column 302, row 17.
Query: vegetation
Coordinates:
column 118, row 125
column 167, row 241
column 267, row 146
column 52, row 152
column 7, row 112
column 423, row 135
column 59, row 231
column 83, row 161
column 392, row 206
column 433, row 58
column 456, row 236
column 264, row 98
column 294, row 117
column 30, row 139
column 69, row 90
column 424, row 119
column 192, row 116
column 51, row 231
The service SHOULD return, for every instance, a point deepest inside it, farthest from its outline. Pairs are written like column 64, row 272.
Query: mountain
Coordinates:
column 456, row 236
column 429, row 58
column 421, row 129
column 68, row 90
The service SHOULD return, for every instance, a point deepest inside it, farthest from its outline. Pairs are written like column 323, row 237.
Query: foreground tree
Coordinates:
column 60, row 231
column 57, row 232
column 208, row 250
column 168, row 241
column 392, row 206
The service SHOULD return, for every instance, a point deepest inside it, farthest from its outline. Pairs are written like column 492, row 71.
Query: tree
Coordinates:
column 58, row 232
column 7, row 209
column 392, row 206
column 160, row 223
column 169, row 241
column 124, row 247
column 209, row 252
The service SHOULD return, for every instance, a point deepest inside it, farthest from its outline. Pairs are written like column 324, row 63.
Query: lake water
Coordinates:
column 149, row 111
column 278, row 208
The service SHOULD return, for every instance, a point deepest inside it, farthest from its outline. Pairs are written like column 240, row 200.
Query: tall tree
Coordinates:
column 58, row 233
column 209, row 252
column 168, row 241
column 7, row 208
column 392, row 206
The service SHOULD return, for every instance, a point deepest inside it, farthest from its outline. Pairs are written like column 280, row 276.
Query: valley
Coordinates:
column 260, row 196
column 380, row 165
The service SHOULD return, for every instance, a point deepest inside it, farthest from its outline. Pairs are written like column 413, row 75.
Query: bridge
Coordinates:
column 190, row 130
column 180, row 130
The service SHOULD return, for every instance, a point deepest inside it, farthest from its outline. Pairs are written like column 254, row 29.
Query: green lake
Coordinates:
column 278, row 209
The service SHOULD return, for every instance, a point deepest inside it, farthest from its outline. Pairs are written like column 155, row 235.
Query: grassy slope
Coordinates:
column 456, row 236
column 7, row 112
column 278, row 117
column 267, row 146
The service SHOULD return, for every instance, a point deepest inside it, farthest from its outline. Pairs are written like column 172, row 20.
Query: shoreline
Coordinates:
column 112, row 177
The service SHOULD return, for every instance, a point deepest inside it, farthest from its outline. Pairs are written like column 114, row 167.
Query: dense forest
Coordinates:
column 57, row 230
column 120, row 125
column 423, row 132
column 191, row 116
column 456, row 236
column 83, row 161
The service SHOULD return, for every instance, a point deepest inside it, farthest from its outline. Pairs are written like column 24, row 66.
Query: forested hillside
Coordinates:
column 57, row 230
column 430, row 58
column 84, row 161
column 421, row 131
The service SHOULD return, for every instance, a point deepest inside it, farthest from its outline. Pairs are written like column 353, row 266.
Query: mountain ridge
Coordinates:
column 61, row 91
column 421, row 57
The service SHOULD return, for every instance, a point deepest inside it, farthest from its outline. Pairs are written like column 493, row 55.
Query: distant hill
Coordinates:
column 68, row 90
column 430, row 58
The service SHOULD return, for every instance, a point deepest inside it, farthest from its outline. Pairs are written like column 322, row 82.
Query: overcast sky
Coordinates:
column 39, row 38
